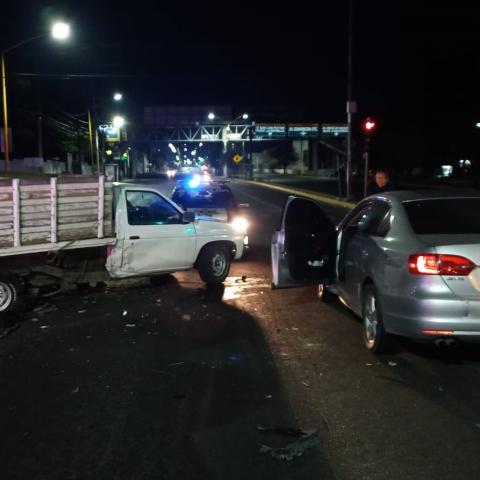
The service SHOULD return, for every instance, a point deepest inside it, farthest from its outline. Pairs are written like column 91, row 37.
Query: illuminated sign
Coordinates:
column 334, row 129
column 270, row 131
column 303, row 130
column 112, row 134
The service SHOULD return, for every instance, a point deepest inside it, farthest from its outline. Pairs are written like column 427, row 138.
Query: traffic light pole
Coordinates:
column 365, row 175
column 351, row 105
column 366, row 157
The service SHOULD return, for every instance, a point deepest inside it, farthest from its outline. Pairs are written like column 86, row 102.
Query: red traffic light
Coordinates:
column 369, row 125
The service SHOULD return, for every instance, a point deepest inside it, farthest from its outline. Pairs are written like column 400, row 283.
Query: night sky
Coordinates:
column 416, row 64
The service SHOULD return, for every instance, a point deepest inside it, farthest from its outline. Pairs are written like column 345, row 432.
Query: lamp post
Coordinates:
column 59, row 31
column 225, row 130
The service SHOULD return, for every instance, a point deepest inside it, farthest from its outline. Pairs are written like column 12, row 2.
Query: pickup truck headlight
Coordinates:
column 240, row 224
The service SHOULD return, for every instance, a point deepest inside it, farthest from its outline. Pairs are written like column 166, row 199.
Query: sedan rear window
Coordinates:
column 448, row 216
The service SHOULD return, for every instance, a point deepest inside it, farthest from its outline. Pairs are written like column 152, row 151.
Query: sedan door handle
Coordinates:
column 134, row 237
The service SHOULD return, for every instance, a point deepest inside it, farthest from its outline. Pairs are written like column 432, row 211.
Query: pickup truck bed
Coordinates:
column 42, row 214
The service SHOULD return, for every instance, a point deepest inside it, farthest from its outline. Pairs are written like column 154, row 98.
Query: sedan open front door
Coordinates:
column 304, row 249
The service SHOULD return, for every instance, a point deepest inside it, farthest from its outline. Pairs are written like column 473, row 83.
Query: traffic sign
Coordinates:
column 112, row 134
column 270, row 131
column 334, row 129
column 237, row 158
column 304, row 130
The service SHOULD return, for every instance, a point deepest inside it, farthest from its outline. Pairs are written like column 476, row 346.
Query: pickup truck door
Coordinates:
column 156, row 237
column 304, row 248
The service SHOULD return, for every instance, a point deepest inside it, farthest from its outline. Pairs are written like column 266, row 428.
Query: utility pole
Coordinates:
column 6, row 149
column 351, row 105
column 250, row 153
column 39, row 137
column 90, row 138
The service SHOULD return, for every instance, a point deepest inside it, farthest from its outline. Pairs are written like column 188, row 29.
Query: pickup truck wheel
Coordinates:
column 214, row 264
column 11, row 294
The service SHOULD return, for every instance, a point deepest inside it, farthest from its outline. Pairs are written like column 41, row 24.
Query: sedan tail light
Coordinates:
column 437, row 264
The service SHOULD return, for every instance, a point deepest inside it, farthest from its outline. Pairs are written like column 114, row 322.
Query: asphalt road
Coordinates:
column 173, row 380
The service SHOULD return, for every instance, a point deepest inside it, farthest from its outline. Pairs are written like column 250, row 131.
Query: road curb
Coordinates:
column 320, row 197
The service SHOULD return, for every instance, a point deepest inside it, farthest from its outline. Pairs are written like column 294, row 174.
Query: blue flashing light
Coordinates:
column 194, row 183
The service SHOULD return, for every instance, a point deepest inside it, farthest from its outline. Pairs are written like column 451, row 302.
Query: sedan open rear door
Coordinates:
column 304, row 248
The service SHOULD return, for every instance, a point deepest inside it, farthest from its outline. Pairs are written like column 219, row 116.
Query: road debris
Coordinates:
column 306, row 439
column 369, row 364
column 268, row 397
column 295, row 329
column 244, row 278
column 45, row 308
column 124, row 313
column 186, row 317
column 163, row 372
column 176, row 364
column 130, row 325
column 81, row 311
column 392, row 364
column 43, row 327
column 35, row 320
column 306, row 384
column 76, row 390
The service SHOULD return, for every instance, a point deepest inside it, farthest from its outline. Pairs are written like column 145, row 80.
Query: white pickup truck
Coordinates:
column 137, row 230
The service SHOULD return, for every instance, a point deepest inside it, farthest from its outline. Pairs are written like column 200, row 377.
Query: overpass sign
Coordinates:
column 270, row 131
column 304, row 130
column 334, row 130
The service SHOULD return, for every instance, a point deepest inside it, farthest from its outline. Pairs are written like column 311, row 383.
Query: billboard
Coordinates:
column 112, row 134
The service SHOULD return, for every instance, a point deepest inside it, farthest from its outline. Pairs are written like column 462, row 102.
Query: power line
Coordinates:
column 89, row 75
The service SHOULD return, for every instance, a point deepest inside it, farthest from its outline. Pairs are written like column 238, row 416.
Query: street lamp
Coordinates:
column 59, row 31
column 211, row 116
column 245, row 116
column 117, row 96
column 118, row 121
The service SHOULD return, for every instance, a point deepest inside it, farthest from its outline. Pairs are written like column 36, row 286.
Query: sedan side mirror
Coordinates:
column 188, row 217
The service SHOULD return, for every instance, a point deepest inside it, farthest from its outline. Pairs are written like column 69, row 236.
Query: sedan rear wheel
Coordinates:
column 376, row 339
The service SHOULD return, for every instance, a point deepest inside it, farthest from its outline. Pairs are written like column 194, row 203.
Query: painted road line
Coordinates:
column 319, row 197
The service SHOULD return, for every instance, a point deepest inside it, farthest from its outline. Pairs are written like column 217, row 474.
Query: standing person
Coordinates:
column 381, row 183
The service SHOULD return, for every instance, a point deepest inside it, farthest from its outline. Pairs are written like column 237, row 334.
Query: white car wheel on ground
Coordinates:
column 214, row 264
column 10, row 294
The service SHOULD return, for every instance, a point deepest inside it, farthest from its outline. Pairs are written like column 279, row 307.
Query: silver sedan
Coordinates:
column 405, row 262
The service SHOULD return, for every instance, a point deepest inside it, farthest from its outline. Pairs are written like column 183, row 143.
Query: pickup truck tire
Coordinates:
column 214, row 264
column 11, row 294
